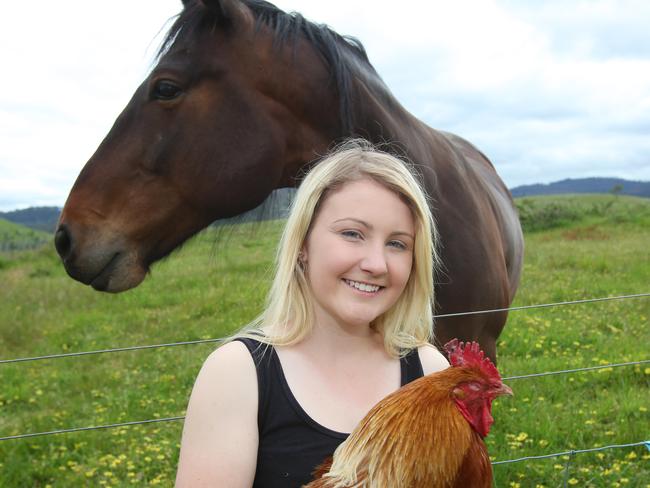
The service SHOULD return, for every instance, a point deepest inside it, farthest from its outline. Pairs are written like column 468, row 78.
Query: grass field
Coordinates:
column 14, row 237
column 209, row 289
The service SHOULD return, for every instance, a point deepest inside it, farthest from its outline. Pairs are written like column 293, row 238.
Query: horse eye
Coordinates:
column 165, row 90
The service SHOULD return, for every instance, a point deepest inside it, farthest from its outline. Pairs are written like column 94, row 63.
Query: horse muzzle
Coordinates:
column 104, row 261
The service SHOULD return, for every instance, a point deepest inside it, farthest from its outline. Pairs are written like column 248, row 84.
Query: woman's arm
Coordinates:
column 220, row 438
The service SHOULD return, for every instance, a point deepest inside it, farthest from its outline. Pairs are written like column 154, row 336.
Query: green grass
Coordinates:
column 15, row 237
column 549, row 212
column 208, row 290
column 603, row 254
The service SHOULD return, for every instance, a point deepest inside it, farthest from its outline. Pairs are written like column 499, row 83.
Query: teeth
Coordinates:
column 363, row 286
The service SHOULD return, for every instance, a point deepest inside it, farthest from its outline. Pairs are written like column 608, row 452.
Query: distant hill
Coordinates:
column 585, row 185
column 15, row 237
column 39, row 218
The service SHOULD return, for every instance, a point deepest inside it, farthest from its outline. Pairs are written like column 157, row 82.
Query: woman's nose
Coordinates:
column 374, row 261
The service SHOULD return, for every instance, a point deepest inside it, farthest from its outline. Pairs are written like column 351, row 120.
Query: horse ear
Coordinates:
column 223, row 9
column 226, row 12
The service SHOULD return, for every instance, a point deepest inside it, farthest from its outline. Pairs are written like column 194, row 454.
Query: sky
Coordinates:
column 547, row 90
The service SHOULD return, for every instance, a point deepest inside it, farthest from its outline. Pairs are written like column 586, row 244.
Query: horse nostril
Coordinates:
column 63, row 242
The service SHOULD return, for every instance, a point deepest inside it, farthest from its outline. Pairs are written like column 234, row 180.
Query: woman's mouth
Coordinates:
column 364, row 287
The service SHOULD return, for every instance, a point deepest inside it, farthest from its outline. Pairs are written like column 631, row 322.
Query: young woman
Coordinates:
column 347, row 321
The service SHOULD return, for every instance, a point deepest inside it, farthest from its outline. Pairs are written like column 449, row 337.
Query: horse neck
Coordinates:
column 379, row 117
column 314, row 124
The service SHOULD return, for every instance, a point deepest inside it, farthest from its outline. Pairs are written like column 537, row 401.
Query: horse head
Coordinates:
column 223, row 118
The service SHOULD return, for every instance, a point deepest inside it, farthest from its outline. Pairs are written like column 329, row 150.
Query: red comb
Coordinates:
column 469, row 354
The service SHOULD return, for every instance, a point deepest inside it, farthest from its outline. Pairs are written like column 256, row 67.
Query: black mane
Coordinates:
column 287, row 27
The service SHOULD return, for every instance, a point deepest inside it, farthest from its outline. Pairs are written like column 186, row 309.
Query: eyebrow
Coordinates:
column 370, row 227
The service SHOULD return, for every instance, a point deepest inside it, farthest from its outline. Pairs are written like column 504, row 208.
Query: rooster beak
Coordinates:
column 504, row 390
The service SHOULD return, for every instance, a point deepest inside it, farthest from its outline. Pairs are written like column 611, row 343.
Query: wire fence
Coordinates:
column 544, row 305
column 571, row 454
column 95, row 427
column 576, row 370
column 171, row 419
column 103, row 351
column 205, row 341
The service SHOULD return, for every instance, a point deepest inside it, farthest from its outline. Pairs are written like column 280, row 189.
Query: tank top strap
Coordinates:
column 411, row 367
column 262, row 357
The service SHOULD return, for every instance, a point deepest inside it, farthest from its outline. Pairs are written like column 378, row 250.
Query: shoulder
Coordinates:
column 432, row 360
column 222, row 412
column 234, row 354
column 229, row 375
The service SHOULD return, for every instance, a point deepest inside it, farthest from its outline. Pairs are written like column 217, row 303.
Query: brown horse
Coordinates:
column 244, row 96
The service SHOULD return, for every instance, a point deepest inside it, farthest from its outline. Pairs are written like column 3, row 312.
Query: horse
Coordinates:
column 243, row 99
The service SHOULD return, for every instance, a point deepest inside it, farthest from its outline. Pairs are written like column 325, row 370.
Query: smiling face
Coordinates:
column 358, row 254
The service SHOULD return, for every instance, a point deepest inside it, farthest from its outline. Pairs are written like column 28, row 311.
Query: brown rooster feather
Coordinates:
column 428, row 433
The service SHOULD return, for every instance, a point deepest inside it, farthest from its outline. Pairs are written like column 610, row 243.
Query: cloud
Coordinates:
column 548, row 90
column 552, row 89
column 71, row 68
column 597, row 29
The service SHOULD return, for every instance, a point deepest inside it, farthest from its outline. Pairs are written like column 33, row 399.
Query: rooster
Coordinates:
column 428, row 433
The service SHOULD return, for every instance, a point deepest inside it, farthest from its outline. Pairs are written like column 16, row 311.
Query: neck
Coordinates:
column 331, row 339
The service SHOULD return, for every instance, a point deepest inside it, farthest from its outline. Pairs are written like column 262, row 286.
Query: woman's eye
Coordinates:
column 352, row 234
column 165, row 90
column 398, row 245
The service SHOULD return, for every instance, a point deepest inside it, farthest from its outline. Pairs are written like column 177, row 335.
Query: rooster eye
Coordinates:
column 474, row 386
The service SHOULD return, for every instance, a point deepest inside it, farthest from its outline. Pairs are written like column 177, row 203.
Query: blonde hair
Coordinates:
column 288, row 315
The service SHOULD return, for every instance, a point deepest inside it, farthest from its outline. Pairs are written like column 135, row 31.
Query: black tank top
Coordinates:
column 292, row 444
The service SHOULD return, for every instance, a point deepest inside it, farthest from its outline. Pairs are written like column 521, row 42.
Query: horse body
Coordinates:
column 244, row 98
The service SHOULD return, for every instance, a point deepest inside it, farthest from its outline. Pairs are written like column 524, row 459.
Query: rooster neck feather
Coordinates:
column 416, row 423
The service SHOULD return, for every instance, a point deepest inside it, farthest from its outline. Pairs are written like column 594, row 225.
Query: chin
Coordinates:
column 364, row 320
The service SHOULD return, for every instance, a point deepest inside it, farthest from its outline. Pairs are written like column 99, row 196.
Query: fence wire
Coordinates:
column 95, row 427
column 102, row 351
column 576, row 370
column 572, row 452
column 544, row 305
column 570, row 455
column 204, row 341
column 169, row 419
